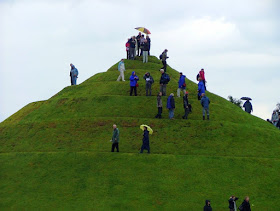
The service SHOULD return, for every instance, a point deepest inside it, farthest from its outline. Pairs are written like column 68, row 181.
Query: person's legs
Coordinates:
column 164, row 90
column 127, row 54
column 150, row 90
column 74, row 80
column 113, row 147
column 148, row 148
column 122, row 75
column 147, row 88
column 117, row 146
column 178, row 92
column 204, row 84
column 131, row 89
column 142, row 148
column 161, row 88
column 203, row 113
column 207, row 111
column 159, row 111
column 135, row 90
column 119, row 78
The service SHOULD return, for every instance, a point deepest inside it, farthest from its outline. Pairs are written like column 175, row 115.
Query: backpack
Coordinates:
column 167, row 78
column 160, row 56
column 197, row 76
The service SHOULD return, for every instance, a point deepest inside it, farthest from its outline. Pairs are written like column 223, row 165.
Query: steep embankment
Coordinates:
column 54, row 153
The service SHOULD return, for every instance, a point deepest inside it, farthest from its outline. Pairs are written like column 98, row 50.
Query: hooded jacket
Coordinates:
column 202, row 75
column 132, row 79
column 121, row 66
column 74, row 71
column 206, row 207
column 246, row 206
column 205, row 102
column 170, row 102
column 248, row 107
column 148, row 79
column 181, row 82
column 201, row 88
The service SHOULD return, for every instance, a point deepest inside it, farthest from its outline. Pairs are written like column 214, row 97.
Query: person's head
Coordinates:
column 207, row 202
column 133, row 73
column 181, row 73
column 114, row 126
column 122, row 60
column 203, row 94
column 162, row 71
column 247, row 198
column 142, row 35
column 145, row 128
column 147, row 74
column 186, row 93
column 133, row 37
column 233, row 197
column 145, row 40
column 160, row 94
column 274, row 112
column 166, row 50
column 147, row 36
column 172, row 94
column 202, row 69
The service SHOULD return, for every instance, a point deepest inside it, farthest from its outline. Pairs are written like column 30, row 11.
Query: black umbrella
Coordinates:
column 246, row 98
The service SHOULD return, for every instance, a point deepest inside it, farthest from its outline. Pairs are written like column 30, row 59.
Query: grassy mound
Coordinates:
column 56, row 153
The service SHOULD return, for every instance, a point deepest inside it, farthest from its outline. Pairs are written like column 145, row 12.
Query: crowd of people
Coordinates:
column 138, row 46
column 275, row 118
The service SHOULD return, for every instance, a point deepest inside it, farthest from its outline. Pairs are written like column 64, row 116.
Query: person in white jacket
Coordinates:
column 121, row 68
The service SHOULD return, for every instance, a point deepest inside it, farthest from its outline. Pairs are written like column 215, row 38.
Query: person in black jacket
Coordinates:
column 164, row 79
column 146, row 141
column 186, row 105
column 278, row 123
column 207, row 206
column 149, row 81
column 149, row 44
column 145, row 51
column 245, row 206
column 132, row 43
column 232, row 203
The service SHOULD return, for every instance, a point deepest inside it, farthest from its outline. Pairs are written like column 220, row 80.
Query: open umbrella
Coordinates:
column 143, row 29
column 246, row 98
column 148, row 128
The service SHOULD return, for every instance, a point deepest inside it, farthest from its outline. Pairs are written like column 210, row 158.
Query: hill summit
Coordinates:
column 56, row 153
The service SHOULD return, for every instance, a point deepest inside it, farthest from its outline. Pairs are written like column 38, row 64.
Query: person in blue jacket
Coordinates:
column 146, row 141
column 200, row 89
column 205, row 105
column 73, row 74
column 171, row 105
column 181, row 85
column 133, row 83
column 248, row 107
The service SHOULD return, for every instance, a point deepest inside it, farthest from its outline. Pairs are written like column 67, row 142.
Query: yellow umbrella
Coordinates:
column 143, row 29
column 148, row 128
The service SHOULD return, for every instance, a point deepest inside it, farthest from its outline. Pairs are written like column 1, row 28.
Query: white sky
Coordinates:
column 236, row 42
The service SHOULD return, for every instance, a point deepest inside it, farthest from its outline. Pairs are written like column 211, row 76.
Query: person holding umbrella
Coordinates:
column 146, row 142
column 247, row 105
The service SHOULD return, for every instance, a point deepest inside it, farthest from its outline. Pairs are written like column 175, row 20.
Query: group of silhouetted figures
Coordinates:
column 275, row 118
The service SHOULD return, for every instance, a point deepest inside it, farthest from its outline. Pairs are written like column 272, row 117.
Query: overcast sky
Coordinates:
column 237, row 43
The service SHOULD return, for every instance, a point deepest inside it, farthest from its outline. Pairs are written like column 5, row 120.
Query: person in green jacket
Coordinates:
column 115, row 138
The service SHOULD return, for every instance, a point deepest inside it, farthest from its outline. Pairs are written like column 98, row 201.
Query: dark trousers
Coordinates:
column 159, row 112
column 204, row 84
column 186, row 113
column 127, row 54
column 131, row 90
column 115, row 145
column 148, row 89
column 131, row 53
column 164, row 65
column 147, row 147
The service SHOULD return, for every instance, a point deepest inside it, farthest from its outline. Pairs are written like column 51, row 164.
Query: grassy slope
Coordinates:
column 54, row 152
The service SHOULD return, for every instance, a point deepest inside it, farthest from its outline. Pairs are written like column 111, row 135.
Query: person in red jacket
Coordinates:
column 127, row 48
column 202, row 76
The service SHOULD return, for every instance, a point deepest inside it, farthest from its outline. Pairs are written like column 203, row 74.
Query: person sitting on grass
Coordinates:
column 115, row 139
column 146, row 141
column 133, row 83
column 205, row 105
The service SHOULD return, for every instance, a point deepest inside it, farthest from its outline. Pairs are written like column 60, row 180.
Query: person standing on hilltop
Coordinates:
column 149, row 81
column 200, row 89
column 115, row 139
column 138, row 43
column 159, row 105
column 163, row 58
column 146, row 141
column 205, row 105
column 133, row 83
column 274, row 118
column 171, row 105
column 149, row 44
column 121, row 69
column 248, row 106
column 181, row 84
column 132, row 42
column 164, row 80
column 127, row 44
column 202, row 76
column 145, row 51
column 73, row 74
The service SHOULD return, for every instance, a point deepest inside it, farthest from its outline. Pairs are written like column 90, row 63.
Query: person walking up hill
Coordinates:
column 163, row 58
column 181, row 85
column 200, row 89
column 115, row 139
column 121, row 68
column 202, row 76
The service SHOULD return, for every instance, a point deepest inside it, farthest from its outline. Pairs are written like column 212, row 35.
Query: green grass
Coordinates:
column 54, row 154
